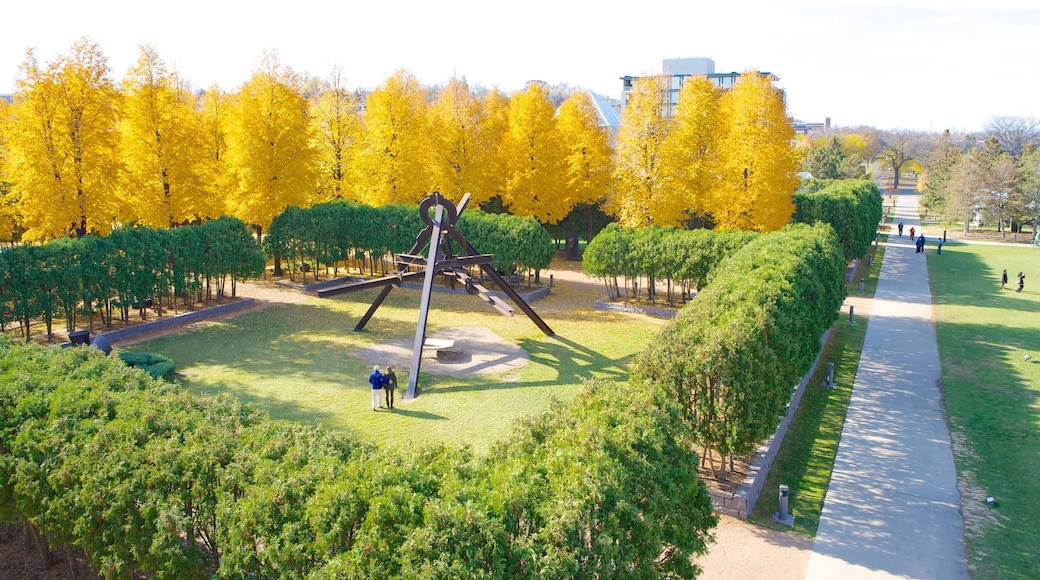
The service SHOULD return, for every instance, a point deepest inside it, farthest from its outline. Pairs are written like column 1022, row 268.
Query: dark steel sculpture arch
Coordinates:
column 440, row 227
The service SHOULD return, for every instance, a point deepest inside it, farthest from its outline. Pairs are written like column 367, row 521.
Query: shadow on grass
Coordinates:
column 397, row 410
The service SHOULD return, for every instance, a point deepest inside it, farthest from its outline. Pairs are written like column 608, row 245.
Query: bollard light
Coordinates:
column 782, row 516
column 851, row 310
column 830, row 375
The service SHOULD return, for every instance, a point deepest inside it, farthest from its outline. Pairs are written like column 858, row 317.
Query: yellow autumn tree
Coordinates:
column 644, row 192
column 391, row 161
column 269, row 149
column 461, row 147
column 161, row 146
column 495, row 119
column 757, row 162
column 586, row 149
column 690, row 147
column 335, row 125
column 533, row 157
column 8, row 221
column 62, row 144
column 214, row 108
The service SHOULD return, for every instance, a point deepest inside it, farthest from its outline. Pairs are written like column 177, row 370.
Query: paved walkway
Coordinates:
column 892, row 509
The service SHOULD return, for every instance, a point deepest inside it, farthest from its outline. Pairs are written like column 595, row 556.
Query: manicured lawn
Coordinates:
column 993, row 399
column 299, row 362
column 806, row 457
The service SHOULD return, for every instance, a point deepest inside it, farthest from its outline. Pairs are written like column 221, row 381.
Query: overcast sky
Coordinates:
column 915, row 64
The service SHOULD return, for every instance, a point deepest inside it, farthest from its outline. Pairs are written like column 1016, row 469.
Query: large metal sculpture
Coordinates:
column 440, row 229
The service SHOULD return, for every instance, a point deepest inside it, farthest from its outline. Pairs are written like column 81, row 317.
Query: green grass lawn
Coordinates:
column 993, row 399
column 300, row 363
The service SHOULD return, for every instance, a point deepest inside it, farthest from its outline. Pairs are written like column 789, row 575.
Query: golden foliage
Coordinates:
column 335, row 127
column 463, row 146
column 391, row 162
column 586, row 150
column 62, row 145
column 269, row 145
column 644, row 192
column 533, row 157
column 161, row 145
column 690, row 148
column 757, row 164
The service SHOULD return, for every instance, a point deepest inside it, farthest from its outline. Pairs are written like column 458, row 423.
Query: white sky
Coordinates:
column 916, row 64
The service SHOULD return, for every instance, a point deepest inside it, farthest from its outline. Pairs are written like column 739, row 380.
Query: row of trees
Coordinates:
column 689, row 258
column 81, row 152
column 682, row 258
column 131, row 269
column 732, row 358
column 329, row 233
column 147, row 479
column 968, row 182
column 725, row 157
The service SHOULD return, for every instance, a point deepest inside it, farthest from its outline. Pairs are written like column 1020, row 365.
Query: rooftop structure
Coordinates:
column 681, row 69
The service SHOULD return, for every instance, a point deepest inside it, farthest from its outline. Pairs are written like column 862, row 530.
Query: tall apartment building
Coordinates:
column 680, row 69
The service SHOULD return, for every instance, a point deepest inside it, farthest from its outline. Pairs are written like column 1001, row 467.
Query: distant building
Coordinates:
column 609, row 111
column 803, row 128
column 681, row 69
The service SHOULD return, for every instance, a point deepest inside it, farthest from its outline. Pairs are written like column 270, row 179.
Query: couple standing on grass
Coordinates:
column 382, row 383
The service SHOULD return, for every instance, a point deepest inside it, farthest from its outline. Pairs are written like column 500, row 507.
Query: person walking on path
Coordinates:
column 1003, row 279
column 911, row 234
column 900, row 229
column 376, row 380
column 389, row 384
column 938, row 245
column 1021, row 281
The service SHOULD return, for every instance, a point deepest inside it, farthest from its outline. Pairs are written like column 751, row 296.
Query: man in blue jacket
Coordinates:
column 376, row 380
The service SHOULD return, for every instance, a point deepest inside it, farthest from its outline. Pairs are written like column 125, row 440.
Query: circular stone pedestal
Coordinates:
column 449, row 354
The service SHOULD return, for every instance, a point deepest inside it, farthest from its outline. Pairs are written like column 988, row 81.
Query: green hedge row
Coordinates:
column 124, row 271
column 682, row 257
column 852, row 207
column 341, row 231
column 148, row 480
column 732, row 357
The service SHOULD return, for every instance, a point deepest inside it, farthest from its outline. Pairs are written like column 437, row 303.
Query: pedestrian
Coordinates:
column 376, row 380
column 920, row 240
column 389, row 384
column 911, row 234
column 938, row 245
column 1003, row 279
column 900, row 229
column 1021, row 281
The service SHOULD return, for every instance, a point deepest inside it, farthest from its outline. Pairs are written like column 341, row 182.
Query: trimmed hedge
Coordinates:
column 148, row 480
column 125, row 271
column 329, row 233
column 686, row 258
column 852, row 207
column 156, row 365
column 731, row 358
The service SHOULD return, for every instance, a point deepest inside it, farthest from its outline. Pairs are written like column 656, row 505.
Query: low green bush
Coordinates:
column 155, row 365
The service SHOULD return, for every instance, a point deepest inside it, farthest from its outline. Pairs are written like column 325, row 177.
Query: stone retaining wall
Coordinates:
column 606, row 304
column 740, row 503
column 528, row 297
column 177, row 320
